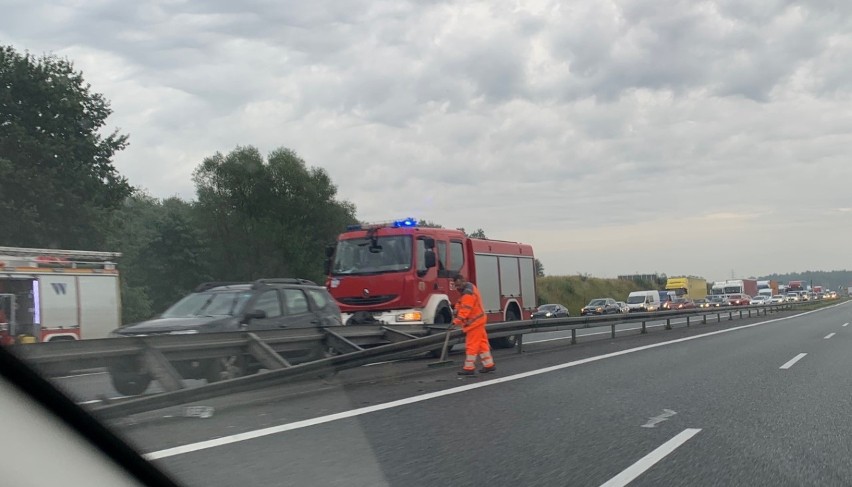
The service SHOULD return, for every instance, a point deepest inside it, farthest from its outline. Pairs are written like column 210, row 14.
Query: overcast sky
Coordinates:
column 683, row 137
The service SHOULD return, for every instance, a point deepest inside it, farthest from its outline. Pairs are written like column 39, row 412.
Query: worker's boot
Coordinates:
column 486, row 370
column 466, row 372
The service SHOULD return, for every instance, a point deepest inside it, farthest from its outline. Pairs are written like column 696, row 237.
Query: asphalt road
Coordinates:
column 704, row 406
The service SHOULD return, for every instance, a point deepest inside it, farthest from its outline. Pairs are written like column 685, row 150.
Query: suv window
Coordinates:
column 320, row 298
column 270, row 302
column 296, row 301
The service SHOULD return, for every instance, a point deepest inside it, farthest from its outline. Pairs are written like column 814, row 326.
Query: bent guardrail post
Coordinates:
column 340, row 343
column 159, row 367
column 263, row 353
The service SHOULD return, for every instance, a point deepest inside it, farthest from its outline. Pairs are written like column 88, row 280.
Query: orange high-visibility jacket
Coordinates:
column 469, row 311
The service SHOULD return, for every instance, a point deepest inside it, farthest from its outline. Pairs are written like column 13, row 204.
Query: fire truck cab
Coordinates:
column 48, row 294
column 397, row 273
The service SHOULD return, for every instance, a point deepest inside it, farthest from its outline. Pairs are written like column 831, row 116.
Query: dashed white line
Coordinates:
column 829, row 336
column 845, row 324
column 649, row 460
column 793, row 361
column 93, row 401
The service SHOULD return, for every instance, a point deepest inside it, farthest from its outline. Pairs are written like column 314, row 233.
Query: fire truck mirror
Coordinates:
column 429, row 242
column 329, row 251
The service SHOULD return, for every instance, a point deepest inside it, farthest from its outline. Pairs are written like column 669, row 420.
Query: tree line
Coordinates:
column 253, row 216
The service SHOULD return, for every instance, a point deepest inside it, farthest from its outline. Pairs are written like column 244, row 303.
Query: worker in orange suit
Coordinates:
column 470, row 316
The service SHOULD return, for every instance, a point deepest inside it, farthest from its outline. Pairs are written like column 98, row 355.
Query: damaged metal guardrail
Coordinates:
column 292, row 354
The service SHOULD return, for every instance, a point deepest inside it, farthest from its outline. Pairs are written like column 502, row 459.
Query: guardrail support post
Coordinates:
column 264, row 354
column 718, row 317
column 687, row 320
column 520, row 344
column 644, row 330
column 730, row 315
column 161, row 369
column 749, row 313
column 668, row 323
column 741, row 314
column 704, row 319
column 573, row 337
column 613, row 331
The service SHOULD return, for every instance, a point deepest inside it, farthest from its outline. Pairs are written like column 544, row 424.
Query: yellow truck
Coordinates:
column 687, row 287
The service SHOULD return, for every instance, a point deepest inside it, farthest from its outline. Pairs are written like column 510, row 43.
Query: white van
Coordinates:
column 643, row 301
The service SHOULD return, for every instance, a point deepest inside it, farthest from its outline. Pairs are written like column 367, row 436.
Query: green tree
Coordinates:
column 478, row 233
column 268, row 218
column 58, row 185
column 539, row 268
column 164, row 253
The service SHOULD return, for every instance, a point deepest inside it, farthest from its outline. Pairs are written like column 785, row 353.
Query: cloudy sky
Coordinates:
column 687, row 137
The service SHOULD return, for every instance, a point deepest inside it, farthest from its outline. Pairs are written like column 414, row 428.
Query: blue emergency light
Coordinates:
column 408, row 222
column 405, row 223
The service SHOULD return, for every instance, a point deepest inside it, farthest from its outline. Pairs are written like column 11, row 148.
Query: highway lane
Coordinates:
column 578, row 425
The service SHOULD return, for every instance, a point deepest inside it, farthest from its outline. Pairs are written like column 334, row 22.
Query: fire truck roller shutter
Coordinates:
column 488, row 282
column 527, row 282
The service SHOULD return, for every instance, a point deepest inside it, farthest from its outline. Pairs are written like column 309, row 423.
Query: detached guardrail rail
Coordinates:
column 293, row 354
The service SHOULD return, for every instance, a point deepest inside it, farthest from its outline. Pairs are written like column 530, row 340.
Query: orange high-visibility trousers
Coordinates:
column 476, row 343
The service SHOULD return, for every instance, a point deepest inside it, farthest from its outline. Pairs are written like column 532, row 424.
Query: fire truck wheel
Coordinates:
column 128, row 382
column 507, row 342
column 225, row 368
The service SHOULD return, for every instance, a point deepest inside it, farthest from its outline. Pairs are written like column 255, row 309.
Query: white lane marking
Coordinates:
column 93, row 401
column 80, row 375
column 590, row 334
column 793, row 361
column 632, row 472
column 829, row 336
column 845, row 324
column 248, row 435
column 652, row 422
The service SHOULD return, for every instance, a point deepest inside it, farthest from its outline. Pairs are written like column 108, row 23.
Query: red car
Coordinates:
column 682, row 303
column 738, row 300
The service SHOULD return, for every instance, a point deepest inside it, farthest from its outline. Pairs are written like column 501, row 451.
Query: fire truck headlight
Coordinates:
column 183, row 332
column 410, row 316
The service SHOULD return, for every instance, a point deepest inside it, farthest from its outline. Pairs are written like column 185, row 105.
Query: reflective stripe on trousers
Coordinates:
column 476, row 343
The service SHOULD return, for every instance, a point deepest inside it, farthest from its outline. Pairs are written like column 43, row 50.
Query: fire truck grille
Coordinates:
column 368, row 301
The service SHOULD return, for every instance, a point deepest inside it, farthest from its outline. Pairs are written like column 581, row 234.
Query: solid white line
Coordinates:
column 793, row 361
column 93, row 401
column 226, row 440
column 829, row 335
column 649, row 460
column 845, row 324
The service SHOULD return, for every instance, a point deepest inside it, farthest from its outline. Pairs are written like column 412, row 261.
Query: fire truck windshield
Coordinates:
column 363, row 256
column 208, row 304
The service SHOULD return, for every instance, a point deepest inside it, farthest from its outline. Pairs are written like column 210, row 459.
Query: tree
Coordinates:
column 539, row 268
column 478, row 233
column 428, row 224
column 58, row 185
column 268, row 218
column 164, row 253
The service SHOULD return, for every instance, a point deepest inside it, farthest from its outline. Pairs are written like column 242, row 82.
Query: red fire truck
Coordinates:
column 48, row 294
column 397, row 273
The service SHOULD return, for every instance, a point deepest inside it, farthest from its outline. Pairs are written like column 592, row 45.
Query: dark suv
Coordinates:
column 228, row 306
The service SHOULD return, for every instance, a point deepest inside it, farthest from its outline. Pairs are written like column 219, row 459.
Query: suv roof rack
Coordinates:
column 283, row 280
column 204, row 286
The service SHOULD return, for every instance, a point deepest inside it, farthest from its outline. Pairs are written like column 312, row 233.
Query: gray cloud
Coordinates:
column 695, row 132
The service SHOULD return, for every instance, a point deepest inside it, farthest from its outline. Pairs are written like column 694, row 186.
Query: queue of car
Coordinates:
column 649, row 301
